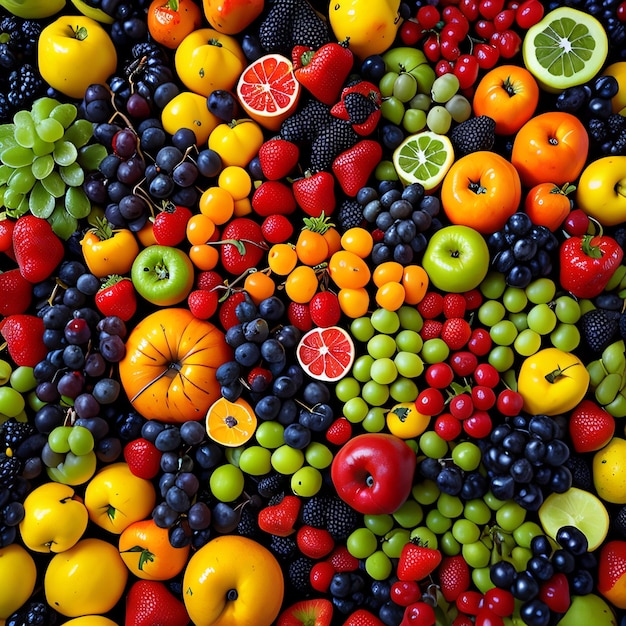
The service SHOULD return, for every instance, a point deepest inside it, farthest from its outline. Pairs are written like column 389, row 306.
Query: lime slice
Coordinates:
column 576, row 507
column 423, row 158
column 566, row 48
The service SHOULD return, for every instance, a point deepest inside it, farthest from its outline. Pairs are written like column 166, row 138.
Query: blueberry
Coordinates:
column 340, row 585
column 535, row 613
column 297, row 436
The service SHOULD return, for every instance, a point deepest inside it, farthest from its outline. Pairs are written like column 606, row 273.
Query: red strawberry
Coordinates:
column 7, row 226
column 590, row 427
column 17, row 293
column 117, row 297
column 227, row 315
column 278, row 157
column 273, row 196
column 417, row 562
column 324, row 309
column 242, row 245
column 342, row 560
column 324, row 71
column 555, row 593
column 203, row 303
column 150, row 602
column 315, row 543
column 314, row 612
column 279, row 519
column 612, row 571
column 431, row 305
column 339, row 431
column 300, row 316
column 37, row 249
column 431, row 329
column 170, row 225
column 362, row 617
column 24, row 336
column 208, row 279
column 456, row 332
column 454, row 305
column 143, row 458
column 360, row 104
column 473, row 299
column 296, row 55
column 454, row 577
column 353, row 167
column 276, row 228
column 321, row 575
column 315, row 193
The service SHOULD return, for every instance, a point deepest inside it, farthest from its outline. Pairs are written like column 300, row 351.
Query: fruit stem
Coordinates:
column 552, row 376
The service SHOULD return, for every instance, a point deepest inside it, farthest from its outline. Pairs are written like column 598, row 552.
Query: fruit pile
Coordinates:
column 312, row 314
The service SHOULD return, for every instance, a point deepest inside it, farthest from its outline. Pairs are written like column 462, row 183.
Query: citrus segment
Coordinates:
column 566, row 48
column 326, row 353
column 423, row 158
column 230, row 423
column 268, row 90
column 576, row 507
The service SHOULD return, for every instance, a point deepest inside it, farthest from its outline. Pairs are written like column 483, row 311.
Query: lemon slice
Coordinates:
column 566, row 48
column 576, row 507
column 423, row 158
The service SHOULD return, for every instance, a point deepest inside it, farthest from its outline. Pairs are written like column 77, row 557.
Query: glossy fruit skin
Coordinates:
column 547, row 205
column 509, row 94
column 15, row 589
column 169, row 26
column 552, row 382
column 601, row 191
column 233, row 580
column 114, row 255
column 551, row 147
column 173, row 385
column 608, row 472
column 373, row 473
column 70, row 63
column 237, row 142
column 611, row 581
column 481, row 190
column 189, row 110
column 231, row 16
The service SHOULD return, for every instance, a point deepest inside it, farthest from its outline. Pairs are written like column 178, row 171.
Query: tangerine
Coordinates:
column 387, row 272
column 259, row 286
column 200, row 229
column 218, row 204
column 357, row 240
column 415, row 281
column 282, row 258
column 390, row 296
column 354, row 302
column 311, row 247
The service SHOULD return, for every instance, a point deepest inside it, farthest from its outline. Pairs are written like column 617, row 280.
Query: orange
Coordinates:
column 230, row 423
column 301, row 284
column 354, row 302
column 390, row 296
column 326, row 353
column 200, row 229
column 415, row 281
column 282, row 258
column 217, row 204
column 311, row 247
column 387, row 272
column 357, row 240
column 348, row 270
column 333, row 239
column 148, row 553
column 259, row 286
column 204, row 256
column 268, row 90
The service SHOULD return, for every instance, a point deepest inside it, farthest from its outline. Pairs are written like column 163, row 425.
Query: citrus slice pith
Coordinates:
column 326, row 353
column 230, row 423
column 423, row 158
column 566, row 48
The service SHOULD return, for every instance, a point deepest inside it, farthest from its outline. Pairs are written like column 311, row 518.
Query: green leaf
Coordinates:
column 72, row 175
column 79, row 133
column 17, row 156
column 65, row 153
column 54, row 184
column 42, row 166
column 41, row 203
column 77, row 203
column 91, row 156
column 63, row 224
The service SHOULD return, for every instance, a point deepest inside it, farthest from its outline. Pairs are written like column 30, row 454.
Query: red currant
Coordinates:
column 447, row 426
column 405, row 592
column 453, row 31
column 531, row 11
column 462, row 620
column 509, row 402
column 419, row 614
column 431, row 48
column 509, row 44
column 430, row 402
column 461, row 406
column 450, row 50
column 428, row 16
column 490, row 8
column 478, row 425
column 483, row 397
column 463, row 362
column 486, row 374
column 504, row 20
column 466, row 70
column 410, row 33
column 443, row 67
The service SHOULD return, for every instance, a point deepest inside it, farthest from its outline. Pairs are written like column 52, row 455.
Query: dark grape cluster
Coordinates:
column 13, row 489
column 522, row 251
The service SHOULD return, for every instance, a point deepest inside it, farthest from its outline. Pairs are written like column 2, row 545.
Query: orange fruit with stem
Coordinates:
column 415, row 282
column 311, row 247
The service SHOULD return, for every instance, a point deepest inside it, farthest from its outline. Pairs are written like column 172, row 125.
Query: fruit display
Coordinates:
column 311, row 313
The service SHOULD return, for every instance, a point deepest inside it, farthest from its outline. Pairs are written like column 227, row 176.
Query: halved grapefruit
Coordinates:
column 231, row 423
column 268, row 90
column 326, row 353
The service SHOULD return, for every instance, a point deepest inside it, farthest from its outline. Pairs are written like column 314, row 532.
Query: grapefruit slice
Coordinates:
column 230, row 423
column 268, row 90
column 326, row 353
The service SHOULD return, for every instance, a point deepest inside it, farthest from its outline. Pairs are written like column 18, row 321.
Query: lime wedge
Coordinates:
column 576, row 507
column 423, row 158
column 566, row 48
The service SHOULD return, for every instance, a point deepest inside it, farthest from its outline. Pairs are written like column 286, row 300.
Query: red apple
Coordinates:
column 373, row 473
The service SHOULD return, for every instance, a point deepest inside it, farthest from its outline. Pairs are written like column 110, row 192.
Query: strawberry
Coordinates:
column 324, row 309
column 315, row 193
column 150, row 602
column 7, row 226
column 143, row 458
column 360, row 105
column 590, row 427
column 300, row 316
column 431, row 305
column 339, row 431
column 271, row 197
column 324, row 71
column 362, row 617
column 353, row 167
column 279, row 519
column 587, row 263
column 611, row 571
column 208, row 279
column 456, row 332
column 342, row 560
column 17, row 293
column 314, row 612
column 417, row 562
column 170, row 225
column 454, row 577
column 431, row 329
column 37, row 249
column 278, row 158
column 202, row 303
column 276, row 228
column 117, row 296
column 454, row 305
column 315, row 543
column 24, row 336
column 473, row 299
column 555, row 593
column 242, row 245
column 321, row 575
column 227, row 315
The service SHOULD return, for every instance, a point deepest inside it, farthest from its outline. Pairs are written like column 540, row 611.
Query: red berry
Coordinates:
column 430, row 402
column 478, row 425
column 479, row 342
column 485, row 617
column 530, row 12
column 428, row 16
column 447, row 426
column 504, row 20
column 202, row 303
column 509, row 44
column 509, row 402
column 431, row 305
column 463, row 362
column 454, row 305
column 469, row 602
column 466, row 70
column 490, row 8
column 410, row 33
column 439, row 375
column 576, row 223
column 469, row 8
column 486, row 374
column 339, row 432
column 431, row 50
column 321, row 576
column 461, row 406
column 484, row 28
column 405, row 592
column 483, row 397
column 500, row 601
column 486, row 55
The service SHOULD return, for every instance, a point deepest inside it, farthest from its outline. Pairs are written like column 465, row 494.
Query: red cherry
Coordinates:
column 483, row 397
column 480, row 342
column 500, row 601
column 430, row 402
column 439, row 375
column 463, row 362
column 486, row 55
column 321, row 576
column 509, row 402
column 530, row 12
column 555, row 593
column 428, row 16
column 431, row 48
column 443, row 67
column 485, row 617
column 478, row 425
column 447, row 426
column 469, row 8
column 486, row 374
column 466, row 70
column 461, row 406
column 509, row 44
column 410, row 33
column 419, row 614
column 576, row 223
column 405, row 592
column 490, row 8
column 504, row 20
column 450, row 50
column 484, row 28
column 469, row 602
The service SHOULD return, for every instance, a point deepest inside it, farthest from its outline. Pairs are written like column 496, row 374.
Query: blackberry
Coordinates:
column 271, row 485
column 283, row 547
column 10, row 469
column 349, row 214
column 341, row 519
column 8, row 59
column 314, row 512
column 299, row 573
column 359, row 107
column 599, row 327
column 581, row 472
column 622, row 326
column 619, row 522
column 619, row 145
column 616, row 123
column 11, row 32
column 12, row 433
column 25, row 84
column 476, row 133
column 306, row 124
column 33, row 614
column 31, row 30
column 248, row 526
column 598, row 129
column 334, row 139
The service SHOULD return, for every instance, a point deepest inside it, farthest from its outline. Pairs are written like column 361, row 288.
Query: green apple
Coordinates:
column 587, row 610
column 456, row 259
column 162, row 275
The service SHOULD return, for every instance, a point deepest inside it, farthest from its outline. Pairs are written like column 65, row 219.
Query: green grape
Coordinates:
column 355, row 410
column 12, row 199
column 386, row 84
column 77, row 203
column 414, row 120
column 510, row 516
column 226, row 482
column 49, row 129
column 287, row 460
column 608, row 388
column 23, row 119
column 385, row 170
column 466, row 455
column 482, row 579
column 361, row 368
column 41, row 147
column 525, row 532
column 492, row 502
column 614, row 358
column 43, row 107
column 477, row 511
column 378, row 565
column 25, row 135
column 542, row 319
column 514, row 299
column 79, row 133
column 361, row 542
column 63, row 224
column 5, row 372
column 439, row 120
column 54, row 184
column 408, row 364
column 450, row 506
column 64, row 153
column 80, row 440
column 432, row 445
column 520, row 557
column 404, row 87
column 493, row 285
column 22, row 179
column 270, row 434
column 394, row 541
column 565, row 337
column 426, row 492
column 448, row 544
column 541, row 290
column 444, row 87
column 392, row 110
column 459, row 107
column 12, row 402
column 476, row 554
column 40, row 202
column 503, row 333
column 361, row 329
column 383, row 372
column 34, row 402
column 58, row 439
column 425, row 536
column 519, row 320
column 491, row 312
column 527, row 342
column 410, row 514
column 255, row 461
column 381, row 346
column 65, row 114
column 567, row 309
column 72, row 175
column 347, row 388
column 384, row 321
column 502, row 358
column 378, row 524
column 17, row 156
column 410, row 318
column 42, row 166
column 435, row 350
column 421, row 102
column 438, row 522
column 306, row 482
column 233, row 455
column 465, row 531
column 409, row 341
column 375, row 394
column 318, row 455
column 374, row 421
column 403, row 390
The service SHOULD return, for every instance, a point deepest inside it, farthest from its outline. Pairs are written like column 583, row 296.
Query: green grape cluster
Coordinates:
column 44, row 156
column 607, row 379
column 16, row 391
